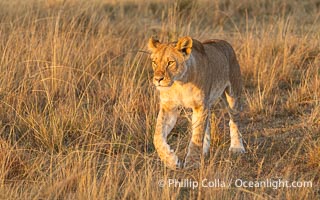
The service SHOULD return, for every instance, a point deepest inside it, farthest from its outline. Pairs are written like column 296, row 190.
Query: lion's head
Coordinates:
column 169, row 60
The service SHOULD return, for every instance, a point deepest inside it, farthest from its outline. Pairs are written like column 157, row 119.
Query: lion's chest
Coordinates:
column 186, row 95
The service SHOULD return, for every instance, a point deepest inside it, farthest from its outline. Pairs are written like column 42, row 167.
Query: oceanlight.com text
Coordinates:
column 239, row 183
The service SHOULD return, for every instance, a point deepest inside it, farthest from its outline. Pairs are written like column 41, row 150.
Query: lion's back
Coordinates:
column 234, row 73
column 223, row 46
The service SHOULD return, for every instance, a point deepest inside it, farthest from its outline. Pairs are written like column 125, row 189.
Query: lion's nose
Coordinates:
column 158, row 78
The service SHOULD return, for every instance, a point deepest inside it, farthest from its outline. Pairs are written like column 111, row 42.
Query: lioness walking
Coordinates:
column 192, row 74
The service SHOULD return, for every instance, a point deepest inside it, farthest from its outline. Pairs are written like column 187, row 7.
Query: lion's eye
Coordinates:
column 170, row 63
column 154, row 64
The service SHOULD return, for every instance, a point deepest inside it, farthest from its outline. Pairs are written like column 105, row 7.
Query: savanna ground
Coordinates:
column 78, row 109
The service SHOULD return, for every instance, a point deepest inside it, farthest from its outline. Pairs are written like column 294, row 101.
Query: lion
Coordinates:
column 191, row 74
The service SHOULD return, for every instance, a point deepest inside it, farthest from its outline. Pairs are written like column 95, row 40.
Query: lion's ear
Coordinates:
column 153, row 44
column 184, row 45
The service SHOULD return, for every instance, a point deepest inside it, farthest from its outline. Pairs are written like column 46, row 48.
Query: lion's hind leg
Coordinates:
column 233, row 106
column 207, row 137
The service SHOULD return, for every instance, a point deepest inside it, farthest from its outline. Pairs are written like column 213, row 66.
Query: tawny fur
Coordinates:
column 194, row 75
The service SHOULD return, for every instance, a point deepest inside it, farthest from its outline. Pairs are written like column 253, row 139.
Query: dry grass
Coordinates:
column 78, row 110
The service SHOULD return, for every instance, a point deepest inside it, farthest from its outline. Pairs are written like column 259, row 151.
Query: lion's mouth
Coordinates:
column 163, row 84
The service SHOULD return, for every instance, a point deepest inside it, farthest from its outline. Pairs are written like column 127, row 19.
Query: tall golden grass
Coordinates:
column 78, row 110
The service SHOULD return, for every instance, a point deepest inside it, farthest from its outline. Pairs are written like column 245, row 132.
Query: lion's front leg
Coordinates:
column 166, row 120
column 195, row 149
